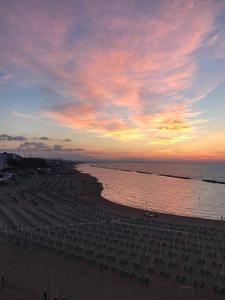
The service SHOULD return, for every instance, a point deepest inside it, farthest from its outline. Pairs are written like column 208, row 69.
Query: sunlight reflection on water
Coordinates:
column 163, row 194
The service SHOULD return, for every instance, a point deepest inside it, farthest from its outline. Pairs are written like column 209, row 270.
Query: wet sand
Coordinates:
column 118, row 252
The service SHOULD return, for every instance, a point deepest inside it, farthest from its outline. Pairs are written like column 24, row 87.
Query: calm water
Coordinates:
column 191, row 197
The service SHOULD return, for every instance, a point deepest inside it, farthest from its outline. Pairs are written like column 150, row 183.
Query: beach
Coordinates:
column 59, row 235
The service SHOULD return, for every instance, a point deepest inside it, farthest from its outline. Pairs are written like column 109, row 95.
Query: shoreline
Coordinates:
column 165, row 214
column 138, row 211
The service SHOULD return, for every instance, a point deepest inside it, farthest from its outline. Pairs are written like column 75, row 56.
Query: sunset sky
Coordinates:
column 105, row 79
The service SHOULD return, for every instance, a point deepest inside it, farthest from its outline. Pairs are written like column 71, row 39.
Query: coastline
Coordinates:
column 187, row 212
column 138, row 211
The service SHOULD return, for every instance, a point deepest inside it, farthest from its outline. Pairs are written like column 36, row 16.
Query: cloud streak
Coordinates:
column 126, row 70
column 9, row 138
column 42, row 147
column 44, row 138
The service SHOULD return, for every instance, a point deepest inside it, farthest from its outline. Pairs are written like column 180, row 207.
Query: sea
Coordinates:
column 195, row 189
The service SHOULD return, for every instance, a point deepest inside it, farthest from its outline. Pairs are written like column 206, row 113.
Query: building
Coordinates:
column 3, row 160
column 6, row 157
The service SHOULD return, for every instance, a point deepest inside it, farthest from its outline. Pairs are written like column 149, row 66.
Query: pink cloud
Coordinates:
column 87, row 117
column 125, row 74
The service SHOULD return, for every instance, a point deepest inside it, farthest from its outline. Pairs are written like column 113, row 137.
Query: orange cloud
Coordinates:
column 117, row 70
column 87, row 117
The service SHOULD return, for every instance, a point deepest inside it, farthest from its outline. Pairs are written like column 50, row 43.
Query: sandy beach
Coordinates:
column 60, row 236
